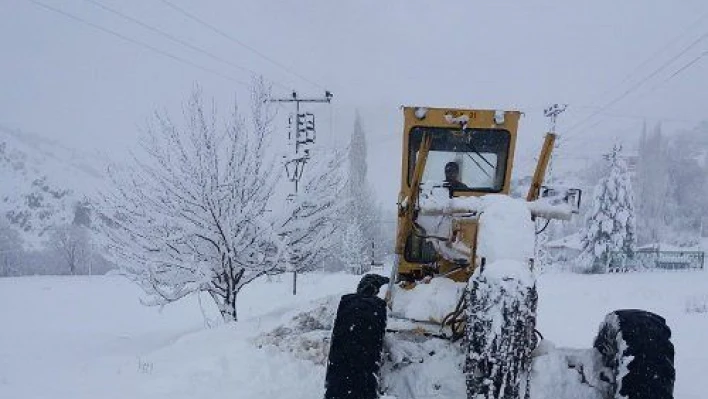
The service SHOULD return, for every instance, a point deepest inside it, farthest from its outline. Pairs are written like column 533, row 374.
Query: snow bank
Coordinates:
column 81, row 338
column 306, row 336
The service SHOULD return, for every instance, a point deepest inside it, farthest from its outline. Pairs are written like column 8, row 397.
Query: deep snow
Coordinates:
column 89, row 337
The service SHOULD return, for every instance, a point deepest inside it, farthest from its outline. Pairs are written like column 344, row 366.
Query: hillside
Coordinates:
column 44, row 184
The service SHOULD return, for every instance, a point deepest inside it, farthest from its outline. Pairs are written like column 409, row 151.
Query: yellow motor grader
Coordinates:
column 469, row 153
column 459, row 315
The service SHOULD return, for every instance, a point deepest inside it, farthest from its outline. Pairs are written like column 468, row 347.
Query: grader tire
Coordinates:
column 635, row 345
column 356, row 348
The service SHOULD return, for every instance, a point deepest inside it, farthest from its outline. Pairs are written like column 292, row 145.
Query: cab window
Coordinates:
column 469, row 160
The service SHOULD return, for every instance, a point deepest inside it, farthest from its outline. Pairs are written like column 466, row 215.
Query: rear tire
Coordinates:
column 499, row 336
column 635, row 345
column 356, row 348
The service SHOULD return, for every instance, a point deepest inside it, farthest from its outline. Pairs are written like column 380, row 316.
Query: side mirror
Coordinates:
column 563, row 195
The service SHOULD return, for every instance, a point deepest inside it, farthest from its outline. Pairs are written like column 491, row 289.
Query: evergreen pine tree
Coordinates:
column 353, row 240
column 610, row 223
column 652, row 186
column 363, row 213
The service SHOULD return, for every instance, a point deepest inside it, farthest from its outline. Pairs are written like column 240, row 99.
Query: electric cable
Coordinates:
column 637, row 85
column 678, row 72
column 654, row 55
column 655, row 87
column 137, row 42
column 180, row 41
column 239, row 42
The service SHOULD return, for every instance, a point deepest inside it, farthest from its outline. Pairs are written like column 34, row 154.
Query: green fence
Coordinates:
column 656, row 260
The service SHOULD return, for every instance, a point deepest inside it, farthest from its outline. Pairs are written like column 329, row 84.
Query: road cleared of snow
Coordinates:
column 89, row 337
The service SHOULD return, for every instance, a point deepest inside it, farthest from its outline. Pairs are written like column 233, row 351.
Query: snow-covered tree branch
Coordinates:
column 192, row 213
column 311, row 220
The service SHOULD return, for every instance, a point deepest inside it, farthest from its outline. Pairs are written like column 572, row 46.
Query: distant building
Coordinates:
column 566, row 248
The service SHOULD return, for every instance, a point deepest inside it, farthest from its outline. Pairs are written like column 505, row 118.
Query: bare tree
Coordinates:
column 196, row 212
column 72, row 244
column 312, row 221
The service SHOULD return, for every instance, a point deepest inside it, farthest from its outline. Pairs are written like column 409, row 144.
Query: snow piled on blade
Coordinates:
column 505, row 229
column 505, row 270
column 427, row 302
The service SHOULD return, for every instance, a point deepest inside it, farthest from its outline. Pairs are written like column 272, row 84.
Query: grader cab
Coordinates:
column 458, row 153
column 466, row 153
column 459, row 315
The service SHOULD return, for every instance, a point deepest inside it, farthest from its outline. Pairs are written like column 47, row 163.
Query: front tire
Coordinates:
column 635, row 345
column 356, row 348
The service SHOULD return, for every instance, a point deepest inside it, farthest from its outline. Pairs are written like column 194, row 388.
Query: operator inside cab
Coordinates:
column 452, row 177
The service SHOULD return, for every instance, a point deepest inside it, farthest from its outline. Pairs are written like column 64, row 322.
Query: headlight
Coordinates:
column 499, row 117
column 421, row 112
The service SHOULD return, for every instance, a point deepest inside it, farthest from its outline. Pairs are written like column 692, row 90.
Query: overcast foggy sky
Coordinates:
column 67, row 81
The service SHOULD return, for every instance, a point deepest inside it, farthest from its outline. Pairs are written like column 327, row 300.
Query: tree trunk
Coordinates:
column 225, row 295
column 228, row 308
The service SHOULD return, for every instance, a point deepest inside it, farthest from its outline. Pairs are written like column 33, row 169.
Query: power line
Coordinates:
column 640, row 117
column 640, row 83
column 136, row 42
column 703, row 54
column 240, row 43
column 178, row 40
column 653, row 56
column 678, row 72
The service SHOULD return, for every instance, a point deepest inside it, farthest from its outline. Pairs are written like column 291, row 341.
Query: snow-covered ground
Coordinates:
column 89, row 337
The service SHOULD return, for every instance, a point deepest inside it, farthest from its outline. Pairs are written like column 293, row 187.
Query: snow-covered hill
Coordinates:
column 81, row 337
column 42, row 183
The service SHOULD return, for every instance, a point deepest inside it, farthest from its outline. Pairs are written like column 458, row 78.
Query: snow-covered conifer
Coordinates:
column 362, row 208
column 351, row 252
column 610, row 222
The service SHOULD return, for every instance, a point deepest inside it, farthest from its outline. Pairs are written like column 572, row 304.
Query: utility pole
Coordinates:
column 374, row 263
column 301, row 135
column 301, row 138
column 542, row 254
column 552, row 113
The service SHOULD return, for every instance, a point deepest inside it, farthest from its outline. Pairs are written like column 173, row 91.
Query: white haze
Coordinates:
column 88, row 89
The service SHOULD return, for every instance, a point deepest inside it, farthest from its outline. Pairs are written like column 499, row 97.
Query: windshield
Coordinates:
column 469, row 160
